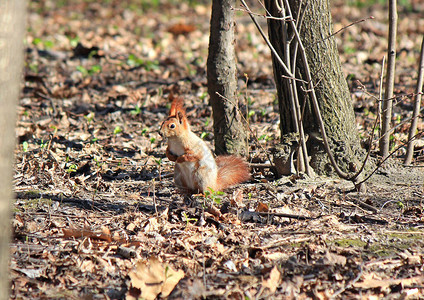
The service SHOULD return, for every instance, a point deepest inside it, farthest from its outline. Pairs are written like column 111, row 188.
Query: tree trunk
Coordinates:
column 230, row 134
column 12, row 26
column 329, row 81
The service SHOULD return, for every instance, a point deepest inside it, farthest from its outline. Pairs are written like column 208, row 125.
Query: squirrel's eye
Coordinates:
column 172, row 125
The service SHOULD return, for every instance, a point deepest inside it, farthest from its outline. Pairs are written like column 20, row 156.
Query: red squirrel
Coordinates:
column 196, row 169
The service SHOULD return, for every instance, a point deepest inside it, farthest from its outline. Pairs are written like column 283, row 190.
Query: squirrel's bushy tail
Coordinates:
column 231, row 171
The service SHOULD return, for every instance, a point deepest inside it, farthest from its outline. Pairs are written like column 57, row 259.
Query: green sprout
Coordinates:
column 25, row 146
column 136, row 111
column 72, row 168
column 214, row 196
column 117, row 130
column 187, row 219
column 204, row 135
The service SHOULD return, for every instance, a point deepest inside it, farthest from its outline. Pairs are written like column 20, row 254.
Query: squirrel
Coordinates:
column 196, row 169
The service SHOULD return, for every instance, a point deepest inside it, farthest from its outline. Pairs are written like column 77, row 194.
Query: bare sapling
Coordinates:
column 390, row 80
column 414, row 122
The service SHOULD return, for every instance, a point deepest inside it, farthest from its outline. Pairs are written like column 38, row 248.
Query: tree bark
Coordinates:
column 12, row 26
column 230, row 134
column 330, row 87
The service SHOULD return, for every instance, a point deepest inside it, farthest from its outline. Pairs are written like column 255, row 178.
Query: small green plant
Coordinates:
column 39, row 43
column 73, row 41
column 144, row 131
column 82, row 70
column 203, row 95
column 204, row 135
column 214, row 196
column 265, row 137
column 25, row 146
column 136, row 111
column 43, row 144
column 98, row 162
column 72, row 168
column 89, row 117
column 89, row 72
column 92, row 54
column 136, row 62
column 33, row 67
column 152, row 140
column 349, row 50
column 250, row 114
column 187, row 219
column 117, row 130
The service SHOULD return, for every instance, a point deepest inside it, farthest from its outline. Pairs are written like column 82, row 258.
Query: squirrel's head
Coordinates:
column 176, row 124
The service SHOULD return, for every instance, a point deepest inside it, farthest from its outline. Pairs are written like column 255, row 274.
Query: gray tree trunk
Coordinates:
column 230, row 134
column 12, row 26
column 330, row 87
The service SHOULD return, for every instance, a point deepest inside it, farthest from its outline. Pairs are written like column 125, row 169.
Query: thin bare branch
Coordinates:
column 261, row 15
column 286, row 69
column 316, row 106
column 389, row 155
column 344, row 28
column 250, row 129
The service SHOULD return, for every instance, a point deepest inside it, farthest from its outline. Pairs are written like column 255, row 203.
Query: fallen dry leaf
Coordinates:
column 180, row 28
column 78, row 233
column 273, row 281
column 153, row 278
column 370, row 282
column 262, row 207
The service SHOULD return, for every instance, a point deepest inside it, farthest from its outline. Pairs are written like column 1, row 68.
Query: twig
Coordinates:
column 290, row 216
column 261, row 15
column 365, row 205
column 388, row 156
column 316, row 106
column 410, row 149
column 380, row 92
column 348, row 286
column 303, row 158
column 361, row 169
column 154, row 197
column 286, row 69
column 343, row 28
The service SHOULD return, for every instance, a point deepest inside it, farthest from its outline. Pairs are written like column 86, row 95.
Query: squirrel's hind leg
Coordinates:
column 206, row 178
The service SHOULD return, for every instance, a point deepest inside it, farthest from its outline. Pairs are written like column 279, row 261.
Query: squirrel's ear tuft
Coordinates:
column 176, row 106
column 180, row 117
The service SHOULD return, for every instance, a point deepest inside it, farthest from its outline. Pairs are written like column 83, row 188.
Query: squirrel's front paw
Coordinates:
column 171, row 156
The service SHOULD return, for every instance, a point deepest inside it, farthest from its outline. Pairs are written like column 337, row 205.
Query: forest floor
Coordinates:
column 97, row 215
